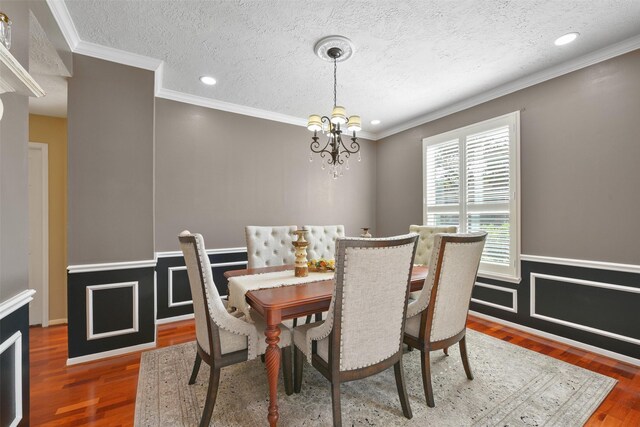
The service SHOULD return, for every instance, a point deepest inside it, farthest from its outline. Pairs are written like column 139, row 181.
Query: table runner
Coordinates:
column 240, row 285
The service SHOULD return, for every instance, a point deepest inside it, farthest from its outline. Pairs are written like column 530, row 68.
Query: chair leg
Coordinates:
column 335, row 403
column 196, row 368
column 446, row 351
column 308, row 319
column 298, row 361
column 402, row 389
column 295, row 322
column 465, row 358
column 426, row 378
column 287, row 371
column 318, row 317
column 212, row 393
column 262, row 359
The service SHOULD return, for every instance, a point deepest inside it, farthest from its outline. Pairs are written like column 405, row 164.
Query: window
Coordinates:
column 471, row 180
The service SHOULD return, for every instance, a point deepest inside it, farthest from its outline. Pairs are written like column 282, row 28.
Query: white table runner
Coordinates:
column 240, row 285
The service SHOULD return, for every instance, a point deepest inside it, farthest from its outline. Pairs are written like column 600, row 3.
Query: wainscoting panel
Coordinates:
column 14, row 365
column 495, row 296
column 174, row 293
column 586, row 302
column 110, row 310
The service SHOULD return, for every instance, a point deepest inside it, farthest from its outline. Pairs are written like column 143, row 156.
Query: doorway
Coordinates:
column 39, row 232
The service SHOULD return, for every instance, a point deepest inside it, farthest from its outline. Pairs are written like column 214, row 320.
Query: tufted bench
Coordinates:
column 322, row 240
column 270, row 246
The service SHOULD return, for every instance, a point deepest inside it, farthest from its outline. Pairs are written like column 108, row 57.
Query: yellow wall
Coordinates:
column 53, row 132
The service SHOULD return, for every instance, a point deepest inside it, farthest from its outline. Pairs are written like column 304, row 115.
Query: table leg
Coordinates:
column 272, row 362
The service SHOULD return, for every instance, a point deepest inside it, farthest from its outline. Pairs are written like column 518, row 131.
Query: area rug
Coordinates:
column 513, row 386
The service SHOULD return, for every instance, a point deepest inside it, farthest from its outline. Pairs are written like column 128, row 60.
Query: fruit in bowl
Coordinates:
column 322, row 264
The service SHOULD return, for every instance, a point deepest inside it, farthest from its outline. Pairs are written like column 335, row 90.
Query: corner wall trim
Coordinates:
column 15, row 340
column 532, row 304
column 110, row 353
column 553, row 337
column 125, row 265
column 15, row 302
column 600, row 265
column 514, row 298
column 135, row 316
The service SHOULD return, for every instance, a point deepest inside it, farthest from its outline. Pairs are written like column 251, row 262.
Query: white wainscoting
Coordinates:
column 514, row 297
column 603, row 285
column 15, row 341
column 134, row 327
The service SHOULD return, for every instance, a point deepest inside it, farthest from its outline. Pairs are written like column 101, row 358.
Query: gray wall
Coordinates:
column 111, row 116
column 217, row 172
column 580, row 139
column 14, row 137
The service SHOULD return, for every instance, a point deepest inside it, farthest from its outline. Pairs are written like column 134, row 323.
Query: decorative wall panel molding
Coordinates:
column 14, row 360
column 595, row 309
column 135, row 318
column 174, row 293
column 11, row 350
column 110, row 312
column 513, row 295
column 581, row 301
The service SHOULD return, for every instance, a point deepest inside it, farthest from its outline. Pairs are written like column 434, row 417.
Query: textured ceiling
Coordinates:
column 412, row 57
column 48, row 70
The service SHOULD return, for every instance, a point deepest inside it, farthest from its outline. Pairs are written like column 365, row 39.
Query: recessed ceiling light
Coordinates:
column 567, row 38
column 208, row 80
column 375, row 122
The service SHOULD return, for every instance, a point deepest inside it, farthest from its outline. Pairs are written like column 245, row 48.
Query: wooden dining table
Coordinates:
column 291, row 302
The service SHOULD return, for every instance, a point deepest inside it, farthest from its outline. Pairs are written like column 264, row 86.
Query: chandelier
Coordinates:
column 335, row 152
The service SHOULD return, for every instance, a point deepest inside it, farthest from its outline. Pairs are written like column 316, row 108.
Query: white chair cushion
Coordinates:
column 322, row 240
column 300, row 341
column 425, row 241
column 270, row 246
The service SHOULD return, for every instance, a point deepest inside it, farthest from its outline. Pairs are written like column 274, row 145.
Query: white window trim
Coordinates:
column 513, row 121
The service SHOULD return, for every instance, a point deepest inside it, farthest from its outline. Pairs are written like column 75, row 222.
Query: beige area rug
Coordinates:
column 513, row 386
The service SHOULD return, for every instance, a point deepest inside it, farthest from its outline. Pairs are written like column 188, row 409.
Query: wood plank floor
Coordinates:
column 103, row 393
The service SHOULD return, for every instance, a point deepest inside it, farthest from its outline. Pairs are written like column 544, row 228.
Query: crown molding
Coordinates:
column 592, row 58
column 63, row 18
column 116, row 55
column 201, row 101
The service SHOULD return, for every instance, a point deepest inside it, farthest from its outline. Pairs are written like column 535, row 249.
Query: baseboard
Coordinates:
column 55, row 322
column 174, row 319
column 110, row 353
column 573, row 343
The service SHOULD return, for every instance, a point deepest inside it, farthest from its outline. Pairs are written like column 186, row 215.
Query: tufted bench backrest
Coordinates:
column 322, row 240
column 270, row 246
column 425, row 240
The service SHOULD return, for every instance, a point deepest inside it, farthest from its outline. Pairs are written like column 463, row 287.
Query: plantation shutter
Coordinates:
column 470, row 181
column 443, row 184
column 488, row 192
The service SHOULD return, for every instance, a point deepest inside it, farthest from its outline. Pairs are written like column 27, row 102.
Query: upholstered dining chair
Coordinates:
column 362, row 334
column 426, row 235
column 438, row 318
column 322, row 240
column 270, row 246
column 222, row 339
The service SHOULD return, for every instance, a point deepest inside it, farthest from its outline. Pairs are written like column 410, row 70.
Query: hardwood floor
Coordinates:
column 103, row 393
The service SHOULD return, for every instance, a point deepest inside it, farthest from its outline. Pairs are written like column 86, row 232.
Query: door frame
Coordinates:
column 44, row 148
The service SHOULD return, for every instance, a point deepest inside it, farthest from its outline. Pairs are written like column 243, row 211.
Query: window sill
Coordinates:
column 501, row 277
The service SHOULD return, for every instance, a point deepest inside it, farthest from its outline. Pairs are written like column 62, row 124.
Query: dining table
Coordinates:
column 277, row 304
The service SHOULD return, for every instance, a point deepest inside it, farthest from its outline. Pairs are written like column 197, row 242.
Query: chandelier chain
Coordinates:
column 335, row 81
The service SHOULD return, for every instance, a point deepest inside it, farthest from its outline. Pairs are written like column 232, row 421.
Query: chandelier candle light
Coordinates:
column 335, row 151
